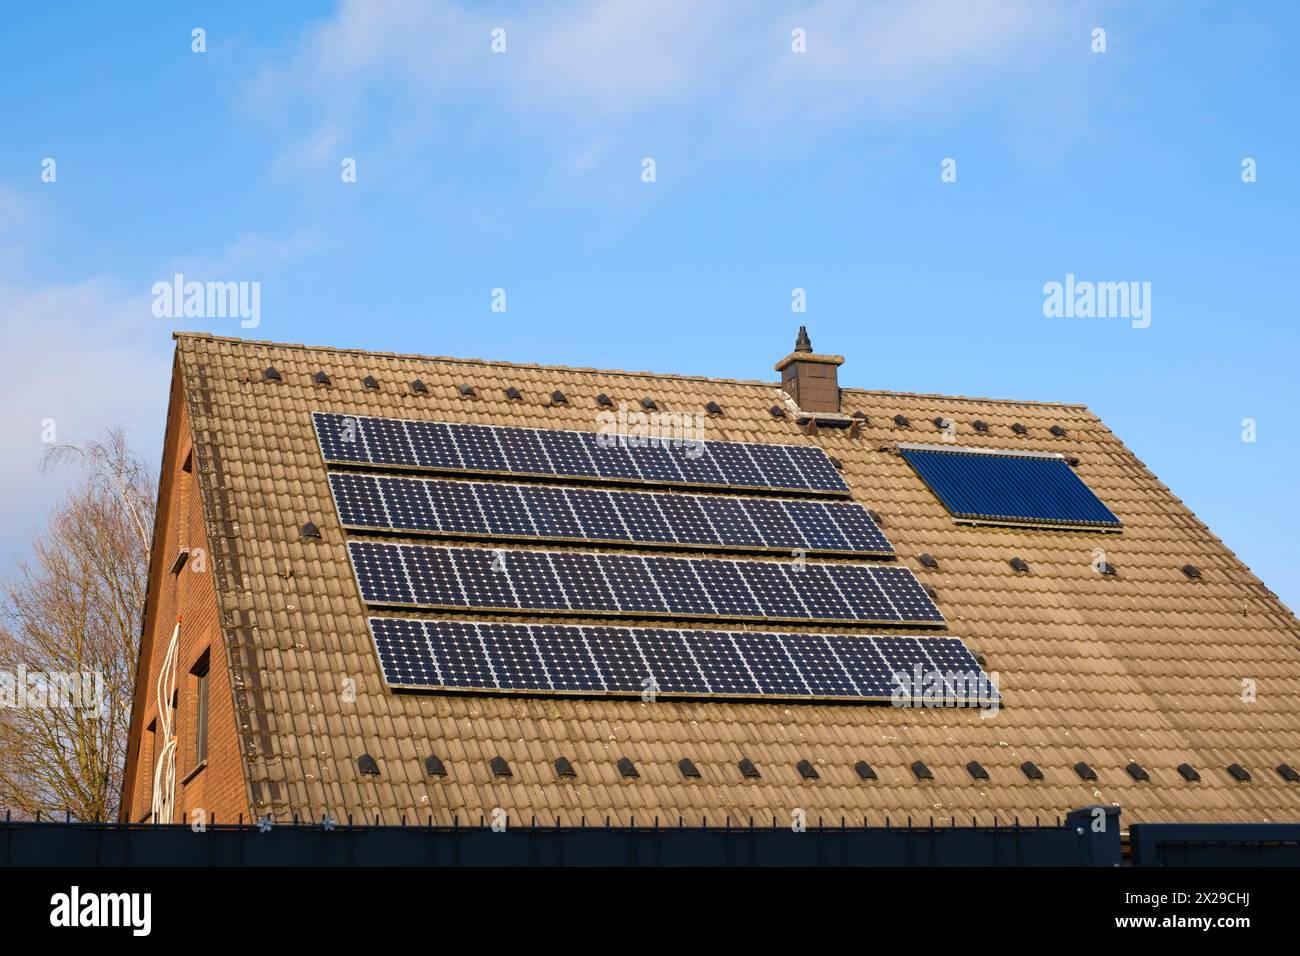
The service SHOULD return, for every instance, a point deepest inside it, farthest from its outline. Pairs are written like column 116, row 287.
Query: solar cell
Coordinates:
column 479, row 448
column 506, row 450
column 630, row 582
column 455, row 507
column 504, row 511
column 358, row 500
column 386, row 442
column 567, row 452
column 406, row 505
column 777, row 466
column 670, row 663
column 771, row 587
column 380, row 573
column 656, row 463
column 553, row 516
column 819, row 532
column 438, row 506
column 524, row 452
column 581, row 659
column 583, row 581
column 724, row 670
column 770, row 665
column 685, row 518
column 516, row 579
column 774, row 523
column 435, row 445
column 339, row 437
column 905, row 593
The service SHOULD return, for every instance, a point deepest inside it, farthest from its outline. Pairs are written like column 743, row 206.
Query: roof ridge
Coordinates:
column 676, row 376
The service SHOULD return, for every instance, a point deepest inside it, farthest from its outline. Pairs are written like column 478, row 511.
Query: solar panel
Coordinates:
column 442, row 507
column 1009, row 488
column 506, row 450
column 520, row 579
column 432, row 654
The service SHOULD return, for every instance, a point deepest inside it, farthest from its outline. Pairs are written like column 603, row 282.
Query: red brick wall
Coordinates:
column 217, row 787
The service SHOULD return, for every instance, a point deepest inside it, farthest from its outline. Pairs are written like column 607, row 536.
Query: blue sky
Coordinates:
column 774, row 170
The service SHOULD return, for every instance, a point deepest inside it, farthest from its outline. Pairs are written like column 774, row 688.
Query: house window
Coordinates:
column 201, row 710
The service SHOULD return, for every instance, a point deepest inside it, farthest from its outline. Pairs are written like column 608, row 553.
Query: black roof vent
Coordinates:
column 271, row 375
column 419, row 388
column 1019, row 564
column 902, row 422
column 921, row 771
column 320, row 378
column 1072, row 461
column 1288, row 772
column 777, row 411
column 1107, row 568
column 1239, row 773
column 648, row 404
column 1188, row 772
column 558, row 398
column 688, row 769
column 1136, row 771
column 366, row 764
column 433, row 766
column 309, row 530
column 604, row 401
column 627, row 768
column 1031, row 771
column 564, row 767
column 1019, row 429
column 977, row 771
column 370, row 382
column 713, row 408
column 1192, row 571
column 514, row 394
column 1084, row 771
column 928, row 560
column 875, row 516
column 941, row 423
column 1058, row 431
column 807, row 770
column 864, row 770
column 466, row 391
column 839, row 465
column 748, row 770
column 934, row 595
column 499, row 767
column 980, row 426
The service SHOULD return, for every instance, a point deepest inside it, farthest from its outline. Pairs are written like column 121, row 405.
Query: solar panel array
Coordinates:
column 571, row 582
column 1010, row 488
column 555, row 453
column 495, row 510
column 584, row 659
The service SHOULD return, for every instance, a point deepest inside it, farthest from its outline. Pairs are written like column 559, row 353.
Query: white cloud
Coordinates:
column 584, row 71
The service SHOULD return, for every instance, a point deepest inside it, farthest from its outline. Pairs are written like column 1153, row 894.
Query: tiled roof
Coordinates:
column 1145, row 666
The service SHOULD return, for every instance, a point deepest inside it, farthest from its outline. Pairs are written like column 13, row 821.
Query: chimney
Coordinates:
column 811, row 379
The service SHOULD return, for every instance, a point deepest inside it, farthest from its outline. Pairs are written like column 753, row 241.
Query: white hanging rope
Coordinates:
column 164, row 769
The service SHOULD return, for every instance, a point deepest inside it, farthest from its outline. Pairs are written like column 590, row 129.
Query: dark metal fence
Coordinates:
column 1072, row 842
column 1215, row 844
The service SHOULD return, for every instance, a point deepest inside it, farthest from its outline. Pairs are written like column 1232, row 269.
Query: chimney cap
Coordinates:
column 802, row 343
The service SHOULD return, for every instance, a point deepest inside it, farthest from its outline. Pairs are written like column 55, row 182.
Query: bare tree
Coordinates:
column 70, row 622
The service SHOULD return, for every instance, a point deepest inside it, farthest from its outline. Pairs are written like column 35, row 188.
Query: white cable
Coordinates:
column 164, row 771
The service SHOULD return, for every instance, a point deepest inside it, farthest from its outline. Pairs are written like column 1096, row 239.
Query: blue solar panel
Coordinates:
column 580, row 659
column 505, row 450
column 442, row 507
column 601, row 583
column 1009, row 488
